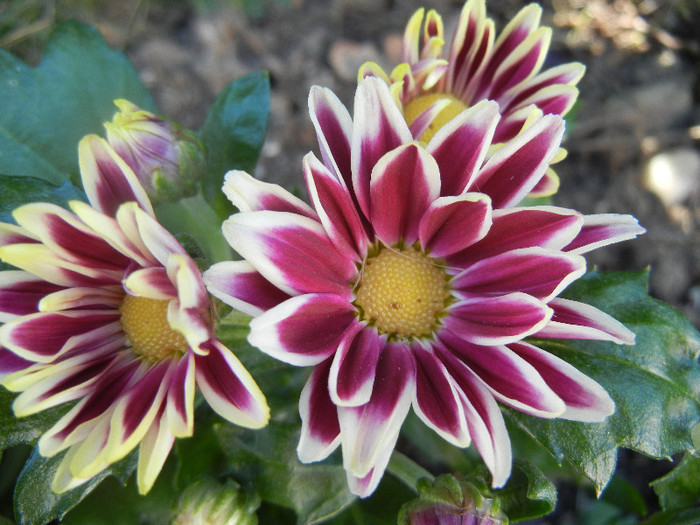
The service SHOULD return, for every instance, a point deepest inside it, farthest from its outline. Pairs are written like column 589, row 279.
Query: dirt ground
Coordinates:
column 633, row 142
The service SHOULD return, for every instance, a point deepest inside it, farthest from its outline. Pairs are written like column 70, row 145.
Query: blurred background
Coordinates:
column 633, row 139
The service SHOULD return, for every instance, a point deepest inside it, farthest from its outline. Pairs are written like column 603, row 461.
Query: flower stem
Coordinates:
column 195, row 217
column 407, row 470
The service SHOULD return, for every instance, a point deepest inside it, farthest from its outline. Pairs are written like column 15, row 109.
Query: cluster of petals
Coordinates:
column 452, row 200
column 63, row 339
column 480, row 65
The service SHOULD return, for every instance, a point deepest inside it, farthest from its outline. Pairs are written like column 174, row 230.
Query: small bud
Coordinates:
column 448, row 501
column 206, row 502
column 167, row 158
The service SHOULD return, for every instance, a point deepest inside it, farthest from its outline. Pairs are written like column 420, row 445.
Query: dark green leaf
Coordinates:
column 233, row 134
column 528, row 494
column 680, row 488
column 47, row 110
column 267, row 460
column 14, row 431
column 15, row 191
column 37, row 504
column 625, row 496
column 655, row 383
column 113, row 503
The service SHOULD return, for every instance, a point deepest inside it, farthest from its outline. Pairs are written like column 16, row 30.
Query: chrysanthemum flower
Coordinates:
column 412, row 281
column 432, row 85
column 107, row 309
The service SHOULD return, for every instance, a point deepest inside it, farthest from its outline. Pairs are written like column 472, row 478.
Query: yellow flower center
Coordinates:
column 146, row 327
column 418, row 105
column 402, row 292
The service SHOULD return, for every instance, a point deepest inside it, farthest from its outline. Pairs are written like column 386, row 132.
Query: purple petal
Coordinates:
column 249, row 194
column 153, row 283
column 335, row 209
column 41, row 337
column 333, row 126
column 471, row 45
column 484, row 419
column 229, row 388
column 518, row 30
column 20, row 293
column 136, row 409
column 370, row 431
column 180, row 402
column 603, row 229
column 240, row 285
column 514, row 170
column 497, row 320
column 574, row 320
column 354, row 367
column 537, row 272
column 77, row 423
column 585, row 399
column 511, row 379
column 320, row 430
column 10, row 363
column 292, row 252
column 107, row 179
column 67, row 236
column 153, row 451
column 303, row 330
column 436, row 401
column 543, row 226
column 563, row 75
column 519, row 65
column 378, row 128
column 452, row 224
column 459, row 147
column 404, row 183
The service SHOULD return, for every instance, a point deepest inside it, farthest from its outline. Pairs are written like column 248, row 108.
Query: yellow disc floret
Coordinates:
column 413, row 109
column 147, row 329
column 402, row 292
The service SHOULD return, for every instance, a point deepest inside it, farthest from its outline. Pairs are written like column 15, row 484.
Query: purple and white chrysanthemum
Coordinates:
column 432, row 85
column 106, row 309
column 413, row 281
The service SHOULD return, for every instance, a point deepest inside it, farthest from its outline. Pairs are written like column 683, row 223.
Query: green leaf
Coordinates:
column 15, row 191
column 625, row 496
column 233, row 134
column 680, row 488
column 115, row 503
column 37, row 504
column 655, row 383
column 267, row 460
column 15, row 431
column 528, row 494
column 46, row 110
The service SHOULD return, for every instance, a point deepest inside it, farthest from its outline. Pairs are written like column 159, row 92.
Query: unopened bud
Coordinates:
column 206, row 502
column 167, row 158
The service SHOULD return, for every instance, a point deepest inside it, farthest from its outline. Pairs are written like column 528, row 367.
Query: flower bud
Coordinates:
column 167, row 158
column 206, row 502
column 448, row 501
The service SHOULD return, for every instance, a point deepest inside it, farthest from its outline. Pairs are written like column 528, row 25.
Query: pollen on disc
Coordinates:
column 402, row 292
column 146, row 327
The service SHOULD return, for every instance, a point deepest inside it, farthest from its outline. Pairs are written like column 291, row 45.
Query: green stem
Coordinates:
column 195, row 217
column 407, row 470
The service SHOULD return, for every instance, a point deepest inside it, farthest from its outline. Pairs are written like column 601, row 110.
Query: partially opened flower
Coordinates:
column 439, row 84
column 433, row 85
column 166, row 158
column 107, row 309
column 412, row 281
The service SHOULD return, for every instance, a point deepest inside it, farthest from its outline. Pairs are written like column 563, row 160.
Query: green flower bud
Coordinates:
column 206, row 502
column 447, row 501
column 167, row 158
